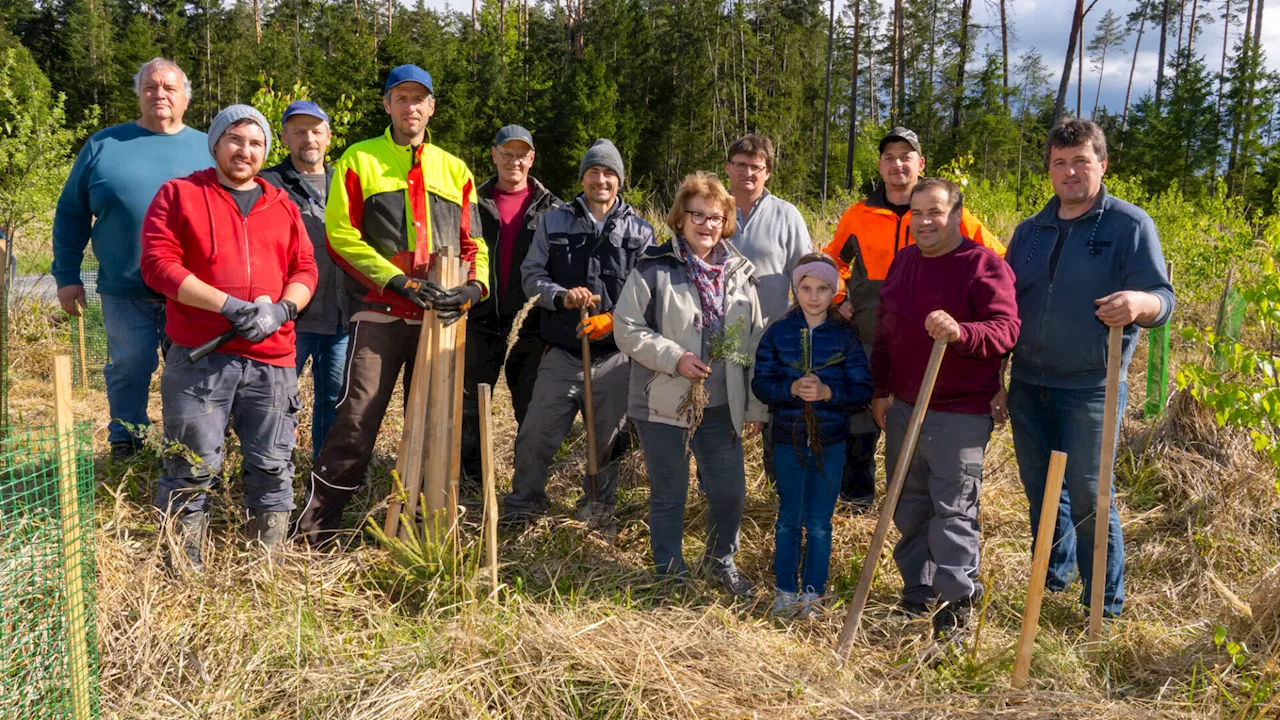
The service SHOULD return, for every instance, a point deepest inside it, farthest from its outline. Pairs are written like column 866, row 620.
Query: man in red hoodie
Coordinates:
column 943, row 287
column 230, row 253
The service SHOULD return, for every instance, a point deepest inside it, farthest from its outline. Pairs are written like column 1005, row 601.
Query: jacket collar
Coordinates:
column 208, row 180
column 736, row 263
column 386, row 135
column 1049, row 215
column 536, row 189
column 620, row 209
column 289, row 174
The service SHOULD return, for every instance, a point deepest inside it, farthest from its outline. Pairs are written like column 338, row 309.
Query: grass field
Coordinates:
column 580, row 629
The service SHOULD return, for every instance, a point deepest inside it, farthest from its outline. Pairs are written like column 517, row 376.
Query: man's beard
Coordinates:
column 236, row 175
column 311, row 157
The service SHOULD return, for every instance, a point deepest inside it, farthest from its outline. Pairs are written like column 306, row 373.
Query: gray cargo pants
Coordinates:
column 198, row 399
column 937, row 513
column 557, row 399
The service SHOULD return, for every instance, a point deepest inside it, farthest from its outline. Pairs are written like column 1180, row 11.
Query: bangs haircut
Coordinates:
column 1074, row 133
column 754, row 145
column 708, row 187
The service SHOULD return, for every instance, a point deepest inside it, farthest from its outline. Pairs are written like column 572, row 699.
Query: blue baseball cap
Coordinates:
column 303, row 107
column 408, row 73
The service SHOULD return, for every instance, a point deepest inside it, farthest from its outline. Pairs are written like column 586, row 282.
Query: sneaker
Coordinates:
column 122, row 450
column 952, row 624
column 910, row 610
column 269, row 528
column 810, row 606
column 784, row 603
column 856, row 505
column 188, row 542
column 735, row 583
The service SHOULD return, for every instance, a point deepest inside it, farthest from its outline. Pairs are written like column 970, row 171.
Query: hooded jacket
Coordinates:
column 870, row 234
column 567, row 253
column 326, row 314
column 501, row 304
column 1112, row 247
column 658, row 320
column 779, row 363
column 194, row 227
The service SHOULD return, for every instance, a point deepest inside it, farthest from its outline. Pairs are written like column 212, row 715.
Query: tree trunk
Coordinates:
column 1236, row 125
column 895, row 98
column 1080, row 74
column 1077, row 20
column 1222, row 71
column 1142, row 24
column 1102, row 67
column 1164, row 39
column 1191, row 29
column 1004, row 54
column 826, row 102
column 257, row 19
column 957, row 106
column 853, row 96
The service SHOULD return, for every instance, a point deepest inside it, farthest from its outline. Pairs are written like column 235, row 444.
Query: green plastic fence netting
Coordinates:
column 95, row 333
column 48, row 638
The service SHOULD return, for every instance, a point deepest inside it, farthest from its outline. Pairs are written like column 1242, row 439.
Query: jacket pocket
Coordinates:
column 665, row 393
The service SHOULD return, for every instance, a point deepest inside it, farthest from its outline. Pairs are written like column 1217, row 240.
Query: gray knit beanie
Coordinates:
column 604, row 154
column 233, row 114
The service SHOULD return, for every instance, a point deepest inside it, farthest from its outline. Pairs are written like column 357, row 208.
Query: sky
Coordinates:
column 1043, row 24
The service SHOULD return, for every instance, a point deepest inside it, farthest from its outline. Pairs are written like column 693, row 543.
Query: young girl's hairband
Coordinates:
column 819, row 270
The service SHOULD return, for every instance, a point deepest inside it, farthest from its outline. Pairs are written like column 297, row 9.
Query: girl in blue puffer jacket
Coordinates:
column 811, row 371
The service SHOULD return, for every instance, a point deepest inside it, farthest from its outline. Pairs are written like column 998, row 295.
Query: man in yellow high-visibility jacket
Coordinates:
column 394, row 200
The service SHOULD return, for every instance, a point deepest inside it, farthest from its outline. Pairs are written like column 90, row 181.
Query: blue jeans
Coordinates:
column 718, row 449
column 1070, row 420
column 329, row 360
column 197, row 401
column 134, row 330
column 807, row 495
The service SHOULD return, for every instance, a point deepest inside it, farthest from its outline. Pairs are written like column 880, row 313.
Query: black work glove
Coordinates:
column 259, row 321
column 415, row 290
column 453, row 304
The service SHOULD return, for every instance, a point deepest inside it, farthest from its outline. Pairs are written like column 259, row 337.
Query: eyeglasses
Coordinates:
column 512, row 158
column 698, row 218
column 747, row 168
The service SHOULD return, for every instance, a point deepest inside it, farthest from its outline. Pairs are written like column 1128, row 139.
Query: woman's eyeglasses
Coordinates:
column 699, row 218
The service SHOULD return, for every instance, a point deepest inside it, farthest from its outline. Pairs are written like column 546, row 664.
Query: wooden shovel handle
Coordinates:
column 1106, row 464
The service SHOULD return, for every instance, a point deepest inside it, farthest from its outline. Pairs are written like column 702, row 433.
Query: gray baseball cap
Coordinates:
column 901, row 134
column 512, row 132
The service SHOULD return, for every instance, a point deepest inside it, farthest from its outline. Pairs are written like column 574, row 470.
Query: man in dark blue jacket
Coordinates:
column 1086, row 263
column 583, row 249
column 322, row 327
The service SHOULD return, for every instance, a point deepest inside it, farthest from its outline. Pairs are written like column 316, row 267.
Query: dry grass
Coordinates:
column 582, row 630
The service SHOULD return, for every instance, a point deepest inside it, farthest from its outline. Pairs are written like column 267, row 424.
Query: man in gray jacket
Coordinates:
column 1084, row 264
column 582, row 250
column 771, row 234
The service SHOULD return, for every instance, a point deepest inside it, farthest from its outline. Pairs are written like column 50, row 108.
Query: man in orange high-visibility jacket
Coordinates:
column 868, row 237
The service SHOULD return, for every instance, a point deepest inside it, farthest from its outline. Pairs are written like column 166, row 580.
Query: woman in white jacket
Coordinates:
column 679, row 297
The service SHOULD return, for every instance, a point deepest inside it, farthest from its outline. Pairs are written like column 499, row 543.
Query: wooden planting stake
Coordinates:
column 1158, row 364
column 440, row 410
column 1102, row 512
column 589, row 414
column 853, row 620
column 84, row 366
column 490, row 489
column 1039, row 568
column 409, row 462
column 73, row 542
column 455, row 427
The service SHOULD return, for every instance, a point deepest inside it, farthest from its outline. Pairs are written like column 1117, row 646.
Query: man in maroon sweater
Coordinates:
column 944, row 286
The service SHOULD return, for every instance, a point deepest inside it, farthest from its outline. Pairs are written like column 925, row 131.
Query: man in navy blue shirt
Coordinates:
column 1084, row 264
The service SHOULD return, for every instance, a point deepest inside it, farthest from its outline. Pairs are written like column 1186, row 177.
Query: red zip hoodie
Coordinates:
column 194, row 227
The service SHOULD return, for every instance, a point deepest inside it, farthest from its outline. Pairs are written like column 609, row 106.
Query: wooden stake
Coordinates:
column 455, row 428
column 84, row 366
column 853, row 620
column 1039, row 568
column 490, row 486
column 589, row 418
column 73, row 541
column 439, row 410
column 412, row 442
column 1102, row 512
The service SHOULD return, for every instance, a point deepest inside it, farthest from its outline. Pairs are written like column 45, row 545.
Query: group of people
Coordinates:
column 818, row 352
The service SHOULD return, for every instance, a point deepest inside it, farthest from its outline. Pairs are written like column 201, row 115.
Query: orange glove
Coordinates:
column 596, row 327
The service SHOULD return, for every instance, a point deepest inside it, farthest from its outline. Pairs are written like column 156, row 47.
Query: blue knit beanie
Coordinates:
column 233, row 114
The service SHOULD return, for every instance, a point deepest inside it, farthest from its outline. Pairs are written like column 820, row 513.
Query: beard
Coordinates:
column 311, row 157
column 237, row 174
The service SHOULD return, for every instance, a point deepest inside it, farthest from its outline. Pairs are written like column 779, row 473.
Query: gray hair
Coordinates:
column 155, row 63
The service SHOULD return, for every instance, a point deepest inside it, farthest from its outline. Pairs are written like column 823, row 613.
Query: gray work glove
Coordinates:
column 256, row 322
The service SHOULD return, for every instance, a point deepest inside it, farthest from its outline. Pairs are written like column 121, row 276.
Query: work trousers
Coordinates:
column 376, row 351
column 198, row 399
column 328, row 354
column 486, row 358
column 557, row 399
column 937, row 512
column 135, row 329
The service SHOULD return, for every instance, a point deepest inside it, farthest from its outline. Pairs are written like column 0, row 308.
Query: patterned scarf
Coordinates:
column 708, row 277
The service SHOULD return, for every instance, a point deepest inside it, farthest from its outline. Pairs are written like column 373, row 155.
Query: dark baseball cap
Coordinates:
column 408, row 73
column 901, row 134
column 303, row 107
column 512, row 132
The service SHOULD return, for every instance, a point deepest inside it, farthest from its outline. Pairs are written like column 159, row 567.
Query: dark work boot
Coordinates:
column 186, row 544
column 122, row 450
column 269, row 528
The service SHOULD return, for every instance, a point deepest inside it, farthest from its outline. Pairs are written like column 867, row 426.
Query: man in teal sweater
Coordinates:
column 111, row 184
